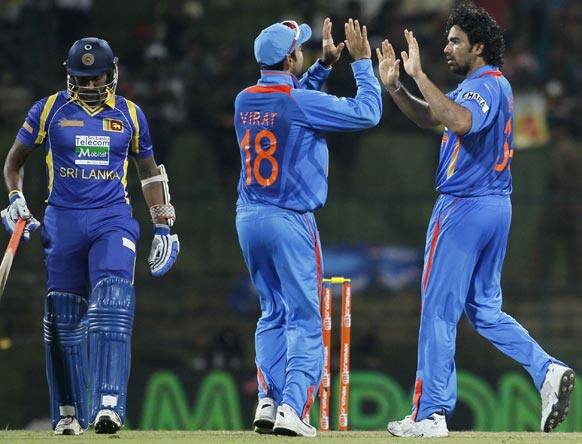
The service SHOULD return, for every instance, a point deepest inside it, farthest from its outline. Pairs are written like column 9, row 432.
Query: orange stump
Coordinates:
column 325, row 388
column 345, row 355
column 345, row 346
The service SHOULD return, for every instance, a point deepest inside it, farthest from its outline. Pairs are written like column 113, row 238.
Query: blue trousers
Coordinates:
column 81, row 247
column 465, row 248
column 282, row 253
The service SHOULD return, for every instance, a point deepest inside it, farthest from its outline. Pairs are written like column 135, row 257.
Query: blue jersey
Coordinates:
column 280, row 125
column 86, row 153
column 478, row 163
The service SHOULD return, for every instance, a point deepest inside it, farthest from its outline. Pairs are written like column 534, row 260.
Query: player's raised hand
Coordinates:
column 331, row 53
column 411, row 60
column 389, row 66
column 357, row 40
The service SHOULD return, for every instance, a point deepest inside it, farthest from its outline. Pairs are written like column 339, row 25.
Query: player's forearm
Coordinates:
column 13, row 178
column 453, row 116
column 414, row 108
column 155, row 190
column 315, row 76
column 14, row 167
column 153, row 193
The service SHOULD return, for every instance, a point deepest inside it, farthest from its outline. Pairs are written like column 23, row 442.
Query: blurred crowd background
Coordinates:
column 183, row 62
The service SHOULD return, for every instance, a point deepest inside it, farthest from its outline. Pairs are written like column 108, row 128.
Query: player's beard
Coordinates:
column 460, row 69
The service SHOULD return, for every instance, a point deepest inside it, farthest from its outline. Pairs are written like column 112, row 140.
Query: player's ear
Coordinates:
column 289, row 62
column 478, row 49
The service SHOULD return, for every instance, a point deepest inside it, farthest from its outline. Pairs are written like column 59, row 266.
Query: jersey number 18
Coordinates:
column 253, row 169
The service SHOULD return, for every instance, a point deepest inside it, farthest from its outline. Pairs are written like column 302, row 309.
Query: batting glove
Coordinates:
column 164, row 252
column 18, row 210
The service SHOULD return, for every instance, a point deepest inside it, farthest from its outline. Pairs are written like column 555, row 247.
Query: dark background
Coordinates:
column 183, row 62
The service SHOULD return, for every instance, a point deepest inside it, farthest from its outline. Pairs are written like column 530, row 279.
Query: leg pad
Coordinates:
column 110, row 314
column 65, row 342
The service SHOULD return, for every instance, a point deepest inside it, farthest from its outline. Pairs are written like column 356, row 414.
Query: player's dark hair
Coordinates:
column 480, row 27
column 278, row 66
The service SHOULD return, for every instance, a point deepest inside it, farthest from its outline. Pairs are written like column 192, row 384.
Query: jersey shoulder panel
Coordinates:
column 34, row 128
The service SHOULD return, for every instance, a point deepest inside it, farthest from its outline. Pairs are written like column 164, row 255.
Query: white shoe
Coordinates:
column 434, row 426
column 288, row 423
column 68, row 426
column 265, row 416
column 397, row 428
column 556, row 390
column 107, row 422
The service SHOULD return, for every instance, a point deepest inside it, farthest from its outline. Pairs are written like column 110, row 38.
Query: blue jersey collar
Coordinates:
column 481, row 71
column 278, row 78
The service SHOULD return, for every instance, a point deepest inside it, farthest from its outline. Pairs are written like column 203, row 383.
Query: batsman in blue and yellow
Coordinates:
column 468, row 231
column 280, row 127
column 89, row 235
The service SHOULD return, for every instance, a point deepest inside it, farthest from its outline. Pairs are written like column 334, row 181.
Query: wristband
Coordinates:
column 166, row 211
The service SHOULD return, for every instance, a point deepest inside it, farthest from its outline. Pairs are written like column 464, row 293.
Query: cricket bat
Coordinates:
column 10, row 253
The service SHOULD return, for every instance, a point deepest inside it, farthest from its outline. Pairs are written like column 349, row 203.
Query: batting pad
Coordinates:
column 65, row 343
column 111, row 312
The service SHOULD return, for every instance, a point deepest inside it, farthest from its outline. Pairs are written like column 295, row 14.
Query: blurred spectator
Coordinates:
column 75, row 19
column 561, row 227
column 160, row 93
column 521, row 65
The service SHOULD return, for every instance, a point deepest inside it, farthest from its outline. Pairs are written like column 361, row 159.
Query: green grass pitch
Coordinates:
column 174, row 437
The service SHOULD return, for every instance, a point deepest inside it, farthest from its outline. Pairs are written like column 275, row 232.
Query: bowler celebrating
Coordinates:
column 89, row 235
column 469, row 227
column 280, row 124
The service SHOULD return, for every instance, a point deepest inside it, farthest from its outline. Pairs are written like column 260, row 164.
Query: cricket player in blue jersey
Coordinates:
column 469, row 227
column 280, row 124
column 89, row 235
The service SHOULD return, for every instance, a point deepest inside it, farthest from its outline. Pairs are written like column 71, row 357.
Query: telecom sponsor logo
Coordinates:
column 92, row 150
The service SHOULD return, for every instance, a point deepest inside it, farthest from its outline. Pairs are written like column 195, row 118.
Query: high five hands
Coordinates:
column 356, row 41
column 389, row 65
column 330, row 53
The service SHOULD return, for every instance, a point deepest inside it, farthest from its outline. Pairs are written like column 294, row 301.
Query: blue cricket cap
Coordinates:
column 279, row 40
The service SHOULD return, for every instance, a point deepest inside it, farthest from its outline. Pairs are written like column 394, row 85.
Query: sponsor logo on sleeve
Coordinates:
column 472, row 95
column 113, row 125
column 92, row 150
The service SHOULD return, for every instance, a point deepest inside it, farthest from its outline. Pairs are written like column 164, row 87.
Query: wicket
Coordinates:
column 344, row 366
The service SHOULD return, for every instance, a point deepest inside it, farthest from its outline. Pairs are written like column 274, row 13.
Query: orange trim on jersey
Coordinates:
column 492, row 73
column 309, row 402
column 285, row 89
column 416, row 397
column 445, row 139
column 261, row 379
column 507, row 151
column 433, row 244
column 453, row 163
